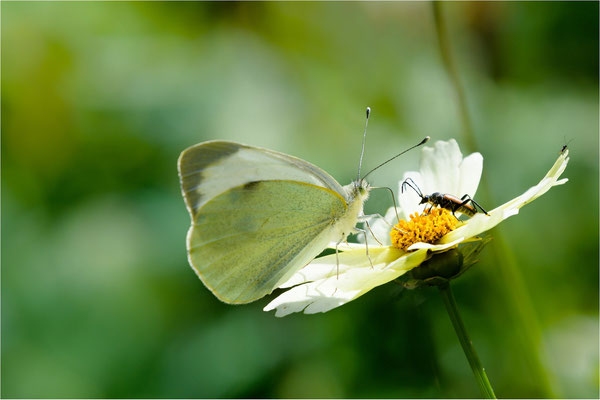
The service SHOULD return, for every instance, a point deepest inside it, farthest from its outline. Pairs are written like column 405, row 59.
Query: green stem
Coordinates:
column 467, row 345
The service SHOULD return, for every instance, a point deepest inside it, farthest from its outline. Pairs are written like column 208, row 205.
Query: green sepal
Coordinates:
column 441, row 268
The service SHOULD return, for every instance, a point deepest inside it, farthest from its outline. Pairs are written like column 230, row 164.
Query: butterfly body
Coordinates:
column 357, row 194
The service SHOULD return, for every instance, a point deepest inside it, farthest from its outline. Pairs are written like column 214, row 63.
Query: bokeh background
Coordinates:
column 99, row 99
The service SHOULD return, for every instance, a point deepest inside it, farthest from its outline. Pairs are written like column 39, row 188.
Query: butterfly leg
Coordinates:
column 389, row 224
column 372, row 234
column 393, row 199
column 365, row 219
column 337, row 259
column 364, row 232
column 399, row 230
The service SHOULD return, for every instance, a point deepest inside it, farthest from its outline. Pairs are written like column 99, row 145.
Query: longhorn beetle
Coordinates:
column 566, row 145
column 447, row 201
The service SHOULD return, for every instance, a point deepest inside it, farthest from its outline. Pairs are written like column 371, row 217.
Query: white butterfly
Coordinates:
column 258, row 215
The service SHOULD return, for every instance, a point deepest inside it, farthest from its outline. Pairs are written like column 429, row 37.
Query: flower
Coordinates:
column 323, row 284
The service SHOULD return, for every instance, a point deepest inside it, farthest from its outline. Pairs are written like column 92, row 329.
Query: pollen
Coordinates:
column 426, row 228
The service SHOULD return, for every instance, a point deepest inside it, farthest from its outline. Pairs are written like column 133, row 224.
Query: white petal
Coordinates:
column 510, row 212
column 475, row 225
column 324, row 267
column 324, row 289
column 328, row 293
column 346, row 246
column 481, row 222
column 550, row 180
column 298, row 299
column 435, row 247
column 562, row 181
column 470, row 174
column 333, row 290
column 440, row 167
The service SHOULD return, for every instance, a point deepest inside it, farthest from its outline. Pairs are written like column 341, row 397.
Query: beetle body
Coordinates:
column 450, row 203
column 464, row 205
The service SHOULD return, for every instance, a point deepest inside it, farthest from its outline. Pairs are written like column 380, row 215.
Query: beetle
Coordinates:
column 565, row 146
column 465, row 205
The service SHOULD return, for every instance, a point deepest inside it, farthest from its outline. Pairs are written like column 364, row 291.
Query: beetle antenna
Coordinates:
column 398, row 155
column 362, row 152
column 410, row 183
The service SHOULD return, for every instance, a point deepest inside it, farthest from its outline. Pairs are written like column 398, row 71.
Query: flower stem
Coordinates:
column 461, row 332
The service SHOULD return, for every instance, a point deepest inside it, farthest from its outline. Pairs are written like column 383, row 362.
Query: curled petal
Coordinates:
column 481, row 222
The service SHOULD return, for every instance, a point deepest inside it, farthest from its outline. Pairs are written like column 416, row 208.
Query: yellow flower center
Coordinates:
column 426, row 228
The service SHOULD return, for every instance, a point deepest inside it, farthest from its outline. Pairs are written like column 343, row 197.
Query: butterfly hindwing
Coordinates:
column 247, row 240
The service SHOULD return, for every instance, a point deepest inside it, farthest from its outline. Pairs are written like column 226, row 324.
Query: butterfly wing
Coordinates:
column 257, row 216
column 210, row 168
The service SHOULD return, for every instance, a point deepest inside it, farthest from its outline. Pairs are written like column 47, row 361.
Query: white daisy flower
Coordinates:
column 320, row 286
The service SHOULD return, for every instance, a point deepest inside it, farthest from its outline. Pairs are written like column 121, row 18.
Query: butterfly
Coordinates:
column 258, row 216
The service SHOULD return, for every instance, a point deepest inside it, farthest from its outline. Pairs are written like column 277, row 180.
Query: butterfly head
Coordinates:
column 362, row 186
column 358, row 189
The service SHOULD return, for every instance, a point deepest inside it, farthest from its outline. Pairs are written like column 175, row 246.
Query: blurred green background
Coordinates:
column 99, row 99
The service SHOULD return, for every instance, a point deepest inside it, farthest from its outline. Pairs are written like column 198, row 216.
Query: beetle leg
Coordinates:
column 428, row 211
column 451, row 206
column 454, row 209
column 458, row 206
column 469, row 199
column 477, row 204
column 464, row 202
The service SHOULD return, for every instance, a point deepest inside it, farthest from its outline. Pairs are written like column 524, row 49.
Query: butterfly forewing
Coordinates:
column 210, row 168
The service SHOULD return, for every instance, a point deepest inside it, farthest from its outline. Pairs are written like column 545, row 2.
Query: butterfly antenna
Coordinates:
column 362, row 152
column 422, row 142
